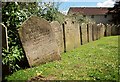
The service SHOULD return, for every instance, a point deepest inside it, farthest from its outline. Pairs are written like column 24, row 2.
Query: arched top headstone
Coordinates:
column 68, row 21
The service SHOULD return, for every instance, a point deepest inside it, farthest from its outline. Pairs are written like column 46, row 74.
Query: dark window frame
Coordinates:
column 84, row 15
column 105, row 16
column 92, row 16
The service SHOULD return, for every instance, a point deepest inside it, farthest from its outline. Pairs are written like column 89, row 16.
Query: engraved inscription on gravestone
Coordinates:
column 38, row 41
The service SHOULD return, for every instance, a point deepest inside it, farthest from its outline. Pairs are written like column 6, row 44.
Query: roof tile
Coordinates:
column 89, row 10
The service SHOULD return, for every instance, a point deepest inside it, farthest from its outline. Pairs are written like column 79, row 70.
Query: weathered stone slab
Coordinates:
column 1, row 40
column 102, row 31
column 77, row 35
column 69, row 34
column 99, row 30
column 94, row 32
column 89, row 32
column 58, row 31
column 114, row 30
column 118, row 29
column 38, row 41
column 84, row 33
column 4, row 36
column 108, row 30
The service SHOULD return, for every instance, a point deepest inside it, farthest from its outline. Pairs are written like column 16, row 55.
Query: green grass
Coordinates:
column 96, row 60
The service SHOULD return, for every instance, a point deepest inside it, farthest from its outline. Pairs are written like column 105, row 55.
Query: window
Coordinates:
column 105, row 16
column 92, row 16
column 84, row 15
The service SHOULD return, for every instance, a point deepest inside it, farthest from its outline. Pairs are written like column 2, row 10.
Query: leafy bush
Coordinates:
column 13, row 15
column 11, row 57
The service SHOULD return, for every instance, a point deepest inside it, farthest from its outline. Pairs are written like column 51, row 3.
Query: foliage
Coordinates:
column 13, row 15
column 116, row 11
column 97, row 60
column 11, row 57
column 31, row 8
column 50, row 11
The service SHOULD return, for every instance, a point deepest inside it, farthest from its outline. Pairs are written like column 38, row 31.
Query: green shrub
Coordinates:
column 13, row 15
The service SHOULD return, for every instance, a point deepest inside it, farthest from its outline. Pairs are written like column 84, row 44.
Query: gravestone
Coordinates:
column 0, row 36
column 77, row 35
column 1, row 46
column 118, row 29
column 94, row 32
column 69, row 34
column 58, row 31
column 89, row 32
column 102, row 30
column 114, row 30
column 108, row 30
column 38, row 41
column 84, row 33
column 98, row 28
column 4, row 36
column 1, row 67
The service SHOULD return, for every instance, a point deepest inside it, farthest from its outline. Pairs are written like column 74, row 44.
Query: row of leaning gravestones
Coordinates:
column 43, row 41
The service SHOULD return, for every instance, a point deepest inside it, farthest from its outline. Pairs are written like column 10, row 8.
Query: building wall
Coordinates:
column 101, row 18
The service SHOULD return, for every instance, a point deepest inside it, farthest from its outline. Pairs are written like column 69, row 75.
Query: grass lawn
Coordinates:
column 96, row 60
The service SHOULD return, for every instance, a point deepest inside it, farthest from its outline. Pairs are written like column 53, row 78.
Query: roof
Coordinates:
column 89, row 10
